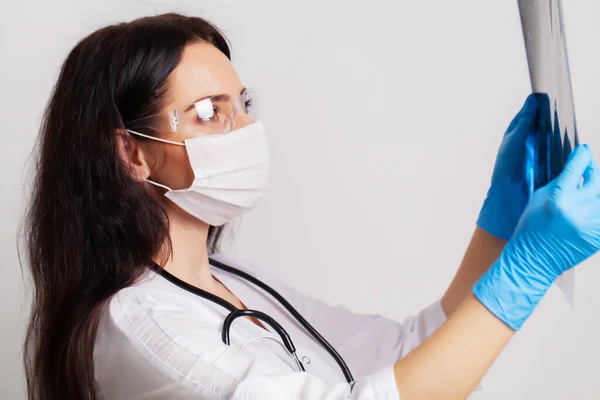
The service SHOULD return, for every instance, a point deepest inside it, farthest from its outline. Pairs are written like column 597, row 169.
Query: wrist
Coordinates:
column 513, row 286
column 502, row 208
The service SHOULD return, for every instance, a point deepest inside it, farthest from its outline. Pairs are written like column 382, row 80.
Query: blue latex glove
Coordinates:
column 559, row 229
column 509, row 190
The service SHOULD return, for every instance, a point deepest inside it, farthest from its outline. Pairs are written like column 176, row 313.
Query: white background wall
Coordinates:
column 384, row 119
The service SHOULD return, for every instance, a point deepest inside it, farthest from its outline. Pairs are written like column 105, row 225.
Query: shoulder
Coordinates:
column 157, row 310
column 151, row 335
column 154, row 306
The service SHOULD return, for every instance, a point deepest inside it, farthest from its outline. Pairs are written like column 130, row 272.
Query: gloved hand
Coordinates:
column 559, row 229
column 509, row 193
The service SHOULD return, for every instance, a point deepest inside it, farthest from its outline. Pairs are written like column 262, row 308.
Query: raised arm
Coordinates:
column 559, row 229
column 503, row 206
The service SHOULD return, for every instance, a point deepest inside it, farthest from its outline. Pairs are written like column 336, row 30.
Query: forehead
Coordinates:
column 203, row 71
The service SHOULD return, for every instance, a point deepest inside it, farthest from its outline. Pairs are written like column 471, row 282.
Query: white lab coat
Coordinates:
column 157, row 341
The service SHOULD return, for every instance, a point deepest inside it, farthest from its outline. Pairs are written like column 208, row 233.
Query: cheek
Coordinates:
column 174, row 169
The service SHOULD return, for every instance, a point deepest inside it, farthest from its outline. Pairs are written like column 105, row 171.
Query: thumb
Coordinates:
column 577, row 164
column 524, row 123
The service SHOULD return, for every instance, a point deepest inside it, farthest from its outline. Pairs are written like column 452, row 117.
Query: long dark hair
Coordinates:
column 91, row 230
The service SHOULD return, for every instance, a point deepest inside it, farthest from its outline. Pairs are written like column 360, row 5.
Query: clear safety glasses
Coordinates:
column 210, row 116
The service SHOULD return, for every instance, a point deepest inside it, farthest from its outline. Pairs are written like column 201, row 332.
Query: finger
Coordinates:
column 591, row 179
column 530, row 165
column 576, row 165
column 526, row 116
column 531, row 104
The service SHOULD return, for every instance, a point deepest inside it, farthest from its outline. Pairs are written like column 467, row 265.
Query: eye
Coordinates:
column 248, row 105
column 214, row 116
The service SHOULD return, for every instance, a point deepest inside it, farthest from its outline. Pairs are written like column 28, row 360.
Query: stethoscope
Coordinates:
column 235, row 312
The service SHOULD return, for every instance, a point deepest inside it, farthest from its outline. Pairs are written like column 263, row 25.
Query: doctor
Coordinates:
column 147, row 149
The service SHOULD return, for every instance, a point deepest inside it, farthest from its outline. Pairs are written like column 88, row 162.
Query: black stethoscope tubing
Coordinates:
column 234, row 313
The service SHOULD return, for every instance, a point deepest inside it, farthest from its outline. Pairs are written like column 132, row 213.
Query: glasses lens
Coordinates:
column 211, row 116
column 248, row 103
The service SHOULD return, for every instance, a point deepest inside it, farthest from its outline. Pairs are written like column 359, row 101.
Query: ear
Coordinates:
column 132, row 155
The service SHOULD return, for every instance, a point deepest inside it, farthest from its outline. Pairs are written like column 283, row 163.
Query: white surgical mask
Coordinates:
column 231, row 171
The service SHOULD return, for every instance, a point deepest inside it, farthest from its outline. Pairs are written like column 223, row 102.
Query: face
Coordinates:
column 204, row 71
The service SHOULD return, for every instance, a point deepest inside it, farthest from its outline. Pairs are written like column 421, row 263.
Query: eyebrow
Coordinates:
column 218, row 97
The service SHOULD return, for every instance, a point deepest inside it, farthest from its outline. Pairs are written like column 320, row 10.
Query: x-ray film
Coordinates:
column 556, row 130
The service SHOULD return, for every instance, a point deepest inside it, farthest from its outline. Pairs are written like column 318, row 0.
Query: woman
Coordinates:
column 147, row 149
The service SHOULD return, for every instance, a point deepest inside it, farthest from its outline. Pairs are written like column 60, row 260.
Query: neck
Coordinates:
column 189, row 261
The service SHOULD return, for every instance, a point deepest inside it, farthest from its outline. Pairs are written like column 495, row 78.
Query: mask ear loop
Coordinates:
column 159, row 140
column 168, row 189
